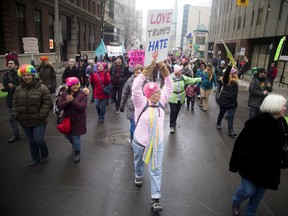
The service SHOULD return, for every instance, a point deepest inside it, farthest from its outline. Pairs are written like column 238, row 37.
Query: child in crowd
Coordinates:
column 191, row 90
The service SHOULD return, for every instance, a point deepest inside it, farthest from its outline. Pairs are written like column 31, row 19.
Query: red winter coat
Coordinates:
column 98, row 86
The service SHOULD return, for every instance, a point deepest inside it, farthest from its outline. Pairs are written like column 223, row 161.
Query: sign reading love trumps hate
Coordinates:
column 158, row 35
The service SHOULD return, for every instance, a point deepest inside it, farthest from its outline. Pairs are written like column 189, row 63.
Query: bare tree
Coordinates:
column 128, row 21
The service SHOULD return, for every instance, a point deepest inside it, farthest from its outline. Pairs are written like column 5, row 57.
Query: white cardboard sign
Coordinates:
column 158, row 35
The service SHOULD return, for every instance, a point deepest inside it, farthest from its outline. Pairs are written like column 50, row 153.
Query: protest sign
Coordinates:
column 114, row 50
column 136, row 57
column 158, row 35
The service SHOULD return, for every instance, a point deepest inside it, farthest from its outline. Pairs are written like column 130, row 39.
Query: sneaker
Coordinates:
column 192, row 108
column 172, row 130
column 235, row 210
column 218, row 127
column 116, row 111
column 43, row 160
column 138, row 182
column 77, row 158
column 33, row 163
column 155, row 205
column 102, row 120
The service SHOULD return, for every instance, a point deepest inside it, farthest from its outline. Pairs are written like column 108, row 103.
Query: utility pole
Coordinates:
column 57, row 38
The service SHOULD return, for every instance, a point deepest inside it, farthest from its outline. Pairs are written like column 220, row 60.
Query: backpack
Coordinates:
column 146, row 107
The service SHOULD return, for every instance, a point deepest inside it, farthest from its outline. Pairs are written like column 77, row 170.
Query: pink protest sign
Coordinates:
column 136, row 57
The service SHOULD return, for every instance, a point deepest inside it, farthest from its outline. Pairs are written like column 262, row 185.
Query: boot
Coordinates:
column 77, row 157
column 14, row 138
column 231, row 132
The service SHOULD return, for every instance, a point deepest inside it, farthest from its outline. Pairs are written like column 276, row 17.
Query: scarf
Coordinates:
column 151, row 149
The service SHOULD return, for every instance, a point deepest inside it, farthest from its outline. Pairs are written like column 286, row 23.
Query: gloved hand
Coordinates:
column 163, row 69
column 147, row 71
column 121, row 109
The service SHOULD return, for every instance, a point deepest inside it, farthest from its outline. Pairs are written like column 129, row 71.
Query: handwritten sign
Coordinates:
column 136, row 57
column 158, row 35
column 30, row 45
column 114, row 50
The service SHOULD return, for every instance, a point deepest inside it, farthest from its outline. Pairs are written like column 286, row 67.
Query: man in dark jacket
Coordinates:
column 258, row 90
column 31, row 105
column 10, row 83
column 119, row 75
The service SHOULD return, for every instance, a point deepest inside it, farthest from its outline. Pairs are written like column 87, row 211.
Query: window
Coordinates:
column 51, row 28
column 2, row 48
column 20, row 12
column 84, row 37
column 259, row 18
column 239, row 22
column 37, row 19
column 252, row 19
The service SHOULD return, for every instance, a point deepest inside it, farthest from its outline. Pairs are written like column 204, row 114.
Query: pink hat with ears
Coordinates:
column 233, row 70
column 150, row 88
column 102, row 63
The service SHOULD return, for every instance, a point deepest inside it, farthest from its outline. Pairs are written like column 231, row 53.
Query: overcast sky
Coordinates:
column 146, row 5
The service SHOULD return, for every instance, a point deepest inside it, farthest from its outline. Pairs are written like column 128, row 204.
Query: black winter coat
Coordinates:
column 257, row 151
column 10, row 77
column 119, row 75
column 229, row 93
column 76, row 110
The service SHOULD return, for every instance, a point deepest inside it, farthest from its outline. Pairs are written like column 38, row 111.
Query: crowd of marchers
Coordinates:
column 143, row 92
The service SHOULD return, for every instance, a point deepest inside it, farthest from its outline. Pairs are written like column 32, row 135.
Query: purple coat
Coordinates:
column 76, row 110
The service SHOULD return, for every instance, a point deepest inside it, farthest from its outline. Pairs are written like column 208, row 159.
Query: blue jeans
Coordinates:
column 100, row 105
column 132, row 128
column 75, row 141
column 230, row 116
column 249, row 190
column 156, row 174
column 35, row 136
column 13, row 122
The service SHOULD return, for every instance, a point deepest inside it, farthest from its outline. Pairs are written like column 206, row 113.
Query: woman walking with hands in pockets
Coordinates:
column 148, row 143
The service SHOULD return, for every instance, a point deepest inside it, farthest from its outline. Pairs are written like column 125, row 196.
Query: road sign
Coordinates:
column 242, row 2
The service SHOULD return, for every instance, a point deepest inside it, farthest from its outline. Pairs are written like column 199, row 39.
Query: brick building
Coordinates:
column 79, row 26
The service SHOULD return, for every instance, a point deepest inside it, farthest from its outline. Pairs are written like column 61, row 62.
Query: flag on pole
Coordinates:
column 229, row 55
column 279, row 48
column 101, row 49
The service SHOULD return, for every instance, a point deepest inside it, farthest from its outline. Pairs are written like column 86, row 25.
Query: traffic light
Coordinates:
column 242, row 2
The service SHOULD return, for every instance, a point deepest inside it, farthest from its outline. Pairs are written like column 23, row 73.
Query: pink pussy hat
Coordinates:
column 150, row 88
column 233, row 70
column 72, row 81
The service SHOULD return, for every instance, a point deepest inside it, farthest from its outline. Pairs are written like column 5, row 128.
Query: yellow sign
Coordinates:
column 242, row 2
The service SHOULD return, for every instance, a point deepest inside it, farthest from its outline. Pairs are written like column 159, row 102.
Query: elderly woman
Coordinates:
column 99, row 80
column 257, row 154
column 228, row 99
column 178, row 96
column 148, row 143
column 74, row 103
column 30, row 107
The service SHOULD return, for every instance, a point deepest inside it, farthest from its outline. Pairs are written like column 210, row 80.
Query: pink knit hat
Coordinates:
column 177, row 68
column 150, row 88
column 233, row 70
column 72, row 81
